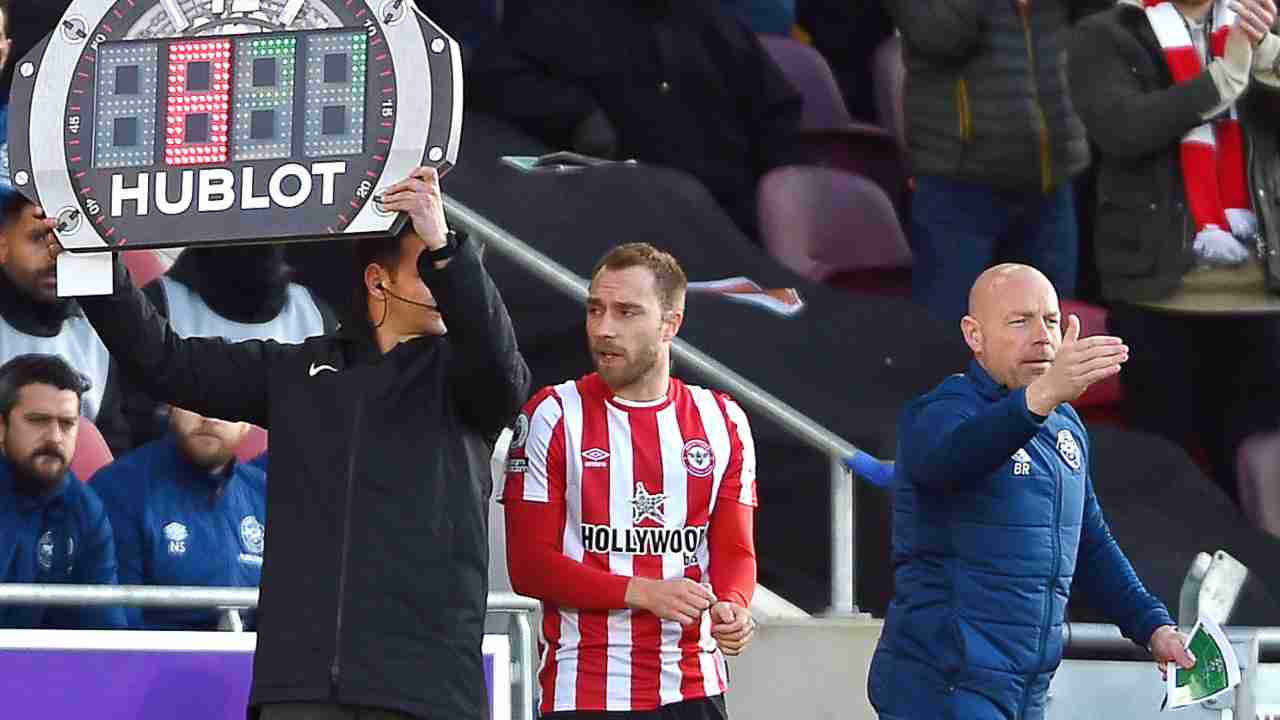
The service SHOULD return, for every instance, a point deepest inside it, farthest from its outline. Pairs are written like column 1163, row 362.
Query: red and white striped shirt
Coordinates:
column 636, row 489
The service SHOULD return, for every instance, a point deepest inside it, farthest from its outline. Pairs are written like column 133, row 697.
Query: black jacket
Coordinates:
column 986, row 95
column 374, row 588
column 1143, row 230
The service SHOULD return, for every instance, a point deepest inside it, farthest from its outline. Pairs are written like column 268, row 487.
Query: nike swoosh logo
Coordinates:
column 317, row 369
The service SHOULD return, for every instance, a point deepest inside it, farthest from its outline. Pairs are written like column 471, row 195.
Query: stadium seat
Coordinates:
column 820, row 222
column 1258, row 480
column 1101, row 402
column 807, row 71
column 829, row 136
column 253, row 445
column 144, row 265
column 92, row 453
column 890, row 80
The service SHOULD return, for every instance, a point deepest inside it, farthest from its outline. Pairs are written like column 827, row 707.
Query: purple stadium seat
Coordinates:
column 820, row 222
column 92, row 453
column 1258, row 469
column 829, row 136
column 890, row 81
column 809, row 73
column 253, row 445
column 144, row 265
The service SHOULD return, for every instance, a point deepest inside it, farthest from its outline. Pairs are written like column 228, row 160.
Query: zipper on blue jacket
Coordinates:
column 1053, row 575
column 335, row 669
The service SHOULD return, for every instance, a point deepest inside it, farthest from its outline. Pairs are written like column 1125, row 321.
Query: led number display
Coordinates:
column 126, row 106
column 263, row 100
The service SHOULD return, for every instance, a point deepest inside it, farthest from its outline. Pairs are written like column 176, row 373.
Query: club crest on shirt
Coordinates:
column 252, row 534
column 44, row 550
column 698, row 458
column 520, row 431
column 1068, row 449
column 175, row 533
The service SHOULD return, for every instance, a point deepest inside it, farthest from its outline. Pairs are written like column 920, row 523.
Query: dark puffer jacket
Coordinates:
column 1143, row 231
column 987, row 98
column 994, row 515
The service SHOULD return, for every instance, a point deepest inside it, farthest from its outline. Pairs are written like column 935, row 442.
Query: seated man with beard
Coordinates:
column 52, row 527
column 185, row 512
column 33, row 319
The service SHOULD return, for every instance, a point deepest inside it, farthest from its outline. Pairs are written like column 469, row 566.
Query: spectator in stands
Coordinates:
column 236, row 293
column 53, row 528
column 379, row 469
column 682, row 84
column 33, row 319
column 673, row 599
column 994, row 142
column 184, row 512
column 1178, row 229
column 847, row 34
column 767, row 17
column 995, row 513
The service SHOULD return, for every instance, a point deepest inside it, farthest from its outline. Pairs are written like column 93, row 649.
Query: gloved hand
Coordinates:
column 1215, row 246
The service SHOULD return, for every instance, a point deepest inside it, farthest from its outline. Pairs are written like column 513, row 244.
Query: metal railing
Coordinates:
column 232, row 600
column 843, row 499
column 1097, row 641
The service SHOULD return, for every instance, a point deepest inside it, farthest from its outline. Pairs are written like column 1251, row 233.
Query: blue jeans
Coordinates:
column 959, row 229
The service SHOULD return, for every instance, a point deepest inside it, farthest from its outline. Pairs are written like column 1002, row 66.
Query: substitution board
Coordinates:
column 160, row 123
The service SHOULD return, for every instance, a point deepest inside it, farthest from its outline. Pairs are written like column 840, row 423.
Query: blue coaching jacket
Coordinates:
column 62, row 537
column 994, row 515
column 178, row 525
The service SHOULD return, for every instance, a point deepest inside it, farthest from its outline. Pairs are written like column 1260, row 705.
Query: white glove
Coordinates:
column 1218, row 247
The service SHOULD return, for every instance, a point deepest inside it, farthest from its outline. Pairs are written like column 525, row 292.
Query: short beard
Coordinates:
column 634, row 371
column 35, row 482
column 212, row 463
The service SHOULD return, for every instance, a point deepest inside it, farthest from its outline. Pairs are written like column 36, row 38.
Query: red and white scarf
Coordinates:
column 1213, row 164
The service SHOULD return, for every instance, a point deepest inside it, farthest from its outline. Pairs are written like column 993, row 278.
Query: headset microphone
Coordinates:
column 405, row 300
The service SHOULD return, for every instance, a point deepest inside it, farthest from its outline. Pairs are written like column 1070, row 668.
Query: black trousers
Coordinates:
column 1201, row 381
column 711, row 708
column 327, row 711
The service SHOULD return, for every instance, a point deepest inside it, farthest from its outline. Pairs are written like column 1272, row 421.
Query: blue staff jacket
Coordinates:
column 178, row 525
column 61, row 537
column 994, row 517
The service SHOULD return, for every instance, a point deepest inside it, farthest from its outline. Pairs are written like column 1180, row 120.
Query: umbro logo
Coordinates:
column 595, row 458
column 317, row 369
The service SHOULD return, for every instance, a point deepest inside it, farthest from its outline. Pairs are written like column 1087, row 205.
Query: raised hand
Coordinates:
column 1078, row 364
column 1254, row 18
column 419, row 196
